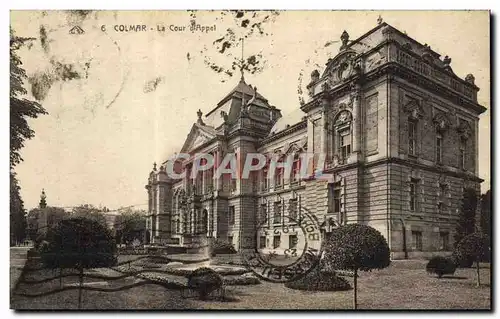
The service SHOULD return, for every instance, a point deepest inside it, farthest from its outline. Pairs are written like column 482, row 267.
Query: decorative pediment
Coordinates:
column 195, row 138
column 292, row 148
column 343, row 117
column 342, row 67
column 441, row 121
column 414, row 108
column 464, row 129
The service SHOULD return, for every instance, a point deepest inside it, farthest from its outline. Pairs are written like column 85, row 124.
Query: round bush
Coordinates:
column 204, row 280
column 356, row 247
column 318, row 280
column 219, row 246
column 472, row 247
column 441, row 266
column 461, row 262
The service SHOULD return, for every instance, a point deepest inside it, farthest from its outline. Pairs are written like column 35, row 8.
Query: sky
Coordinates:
column 130, row 98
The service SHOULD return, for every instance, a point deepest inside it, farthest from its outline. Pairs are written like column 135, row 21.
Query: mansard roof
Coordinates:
column 287, row 121
column 242, row 89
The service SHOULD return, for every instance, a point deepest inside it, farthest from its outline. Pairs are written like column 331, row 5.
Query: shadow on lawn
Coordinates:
column 454, row 277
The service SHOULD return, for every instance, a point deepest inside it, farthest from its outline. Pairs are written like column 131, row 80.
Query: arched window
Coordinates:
column 205, row 221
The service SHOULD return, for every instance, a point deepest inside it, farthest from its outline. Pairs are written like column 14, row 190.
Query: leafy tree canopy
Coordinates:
column 80, row 243
column 89, row 212
column 356, row 247
column 20, row 108
column 473, row 246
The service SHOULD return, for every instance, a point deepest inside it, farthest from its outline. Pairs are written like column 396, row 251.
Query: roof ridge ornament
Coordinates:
column 200, row 114
column 379, row 19
column 345, row 39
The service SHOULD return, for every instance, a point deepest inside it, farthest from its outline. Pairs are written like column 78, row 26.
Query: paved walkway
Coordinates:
column 18, row 257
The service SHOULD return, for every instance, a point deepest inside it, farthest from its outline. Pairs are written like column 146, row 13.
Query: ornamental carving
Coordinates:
column 343, row 117
column 414, row 108
column 441, row 122
column 464, row 129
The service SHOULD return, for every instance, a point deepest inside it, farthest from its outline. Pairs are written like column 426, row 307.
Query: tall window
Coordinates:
column 276, row 241
column 277, row 213
column 413, row 194
column 417, row 240
column 295, row 169
column 263, row 213
column 262, row 242
column 412, row 137
column 231, row 216
column 292, row 209
column 210, row 180
column 279, row 177
column 337, row 197
column 462, row 154
column 444, row 240
column 439, row 148
column 345, row 143
column 265, row 180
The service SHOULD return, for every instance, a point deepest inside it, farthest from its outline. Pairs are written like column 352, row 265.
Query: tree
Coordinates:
column 79, row 243
column 467, row 220
column 474, row 246
column 17, row 212
column 90, row 212
column 130, row 225
column 486, row 213
column 20, row 108
column 41, row 219
column 356, row 247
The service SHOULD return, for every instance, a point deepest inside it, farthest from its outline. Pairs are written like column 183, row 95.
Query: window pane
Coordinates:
column 276, row 241
column 262, row 242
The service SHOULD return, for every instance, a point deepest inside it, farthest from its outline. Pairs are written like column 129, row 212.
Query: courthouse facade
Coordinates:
column 400, row 133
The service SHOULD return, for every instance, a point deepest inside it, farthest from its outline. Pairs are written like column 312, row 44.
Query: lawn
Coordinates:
column 403, row 285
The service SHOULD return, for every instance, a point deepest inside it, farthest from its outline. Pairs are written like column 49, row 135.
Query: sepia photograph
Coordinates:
column 250, row 160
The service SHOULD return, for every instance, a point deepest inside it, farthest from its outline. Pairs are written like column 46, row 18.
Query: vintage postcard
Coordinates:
column 239, row 159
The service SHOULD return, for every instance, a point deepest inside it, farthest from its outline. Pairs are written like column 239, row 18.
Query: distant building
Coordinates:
column 400, row 132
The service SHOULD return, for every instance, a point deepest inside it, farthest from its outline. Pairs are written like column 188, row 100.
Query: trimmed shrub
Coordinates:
column 441, row 266
column 80, row 243
column 473, row 247
column 220, row 246
column 204, row 280
column 356, row 247
column 318, row 280
column 461, row 262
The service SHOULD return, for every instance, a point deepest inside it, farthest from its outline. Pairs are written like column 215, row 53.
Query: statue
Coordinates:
column 345, row 40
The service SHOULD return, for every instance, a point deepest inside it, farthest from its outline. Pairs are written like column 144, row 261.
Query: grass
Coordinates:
column 403, row 285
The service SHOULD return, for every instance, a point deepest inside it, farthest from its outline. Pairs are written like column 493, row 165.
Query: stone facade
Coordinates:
column 397, row 127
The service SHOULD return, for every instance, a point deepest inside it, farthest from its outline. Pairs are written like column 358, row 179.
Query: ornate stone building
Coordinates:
column 400, row 132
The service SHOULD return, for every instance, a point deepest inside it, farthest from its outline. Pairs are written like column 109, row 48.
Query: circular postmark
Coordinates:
column 285, row 248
